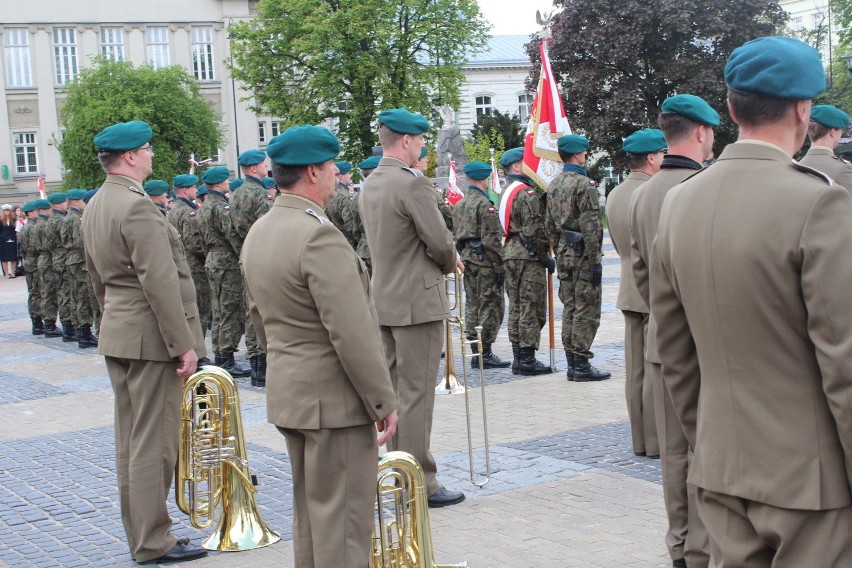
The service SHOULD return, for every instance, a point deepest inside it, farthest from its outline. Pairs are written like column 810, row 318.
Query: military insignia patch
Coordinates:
column 270, row 198
column 192, row 213
column 593, row 183
column 227, row 207
column 492, row 210
column 531, row 192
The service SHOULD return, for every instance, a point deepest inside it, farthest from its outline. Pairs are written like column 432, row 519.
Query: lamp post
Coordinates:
column 231, row 36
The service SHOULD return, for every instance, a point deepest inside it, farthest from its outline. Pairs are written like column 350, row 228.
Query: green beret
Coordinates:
column 645, row 141
column 402, row 121
column 216, row 175
column 572, row 144
column 235, row 183
column 303, row 146
column 781, row 67
column 423, row 153
column 693, row 108
column 28, row 207
column 55, row 198
column 156, row 187
column 477, row 170
column 512, row 156
column 123, row 136
column 185, row 180
column 89, row 195
column 344, row 167
column 830, row 116
column 201, row 190
column 75, row 194
column 251, row 157
column 268, row 183
column 370, row 163
column 41, row 204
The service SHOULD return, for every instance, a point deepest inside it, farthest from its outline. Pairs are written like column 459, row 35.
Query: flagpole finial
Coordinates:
column 492, row 152
column 545, row 21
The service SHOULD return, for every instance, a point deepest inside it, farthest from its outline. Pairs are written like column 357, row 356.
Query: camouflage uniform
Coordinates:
column 26, row 240
column 572, row 204
column 354, row 226
column 475, row 218
column 83, row 302
column 338, row 212
column 445, row 209
column 184, row 217
column 47, row 277
column 58, row 258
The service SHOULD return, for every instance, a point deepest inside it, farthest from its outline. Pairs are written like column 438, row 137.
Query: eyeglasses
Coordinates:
column 146, row 147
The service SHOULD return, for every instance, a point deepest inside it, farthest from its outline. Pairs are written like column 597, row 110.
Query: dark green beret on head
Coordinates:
column 573, row 144
column 477, row 170
column 201, row 190
column 781, row 67
column 216, row 175
column 645, row 141
column 251, row 157
column 156, row 187
column 28, row 206
column 185, row 180
column 123, row 136
column 512, row 156
column 423, row 153
column 268, row 183
column 692, row 107
column 41, row 204
column 89, row 195
column 235, row 183
column 55, row 198
column 370, row 163
column 303, row 146
column 830, row 116
column 344, row 167
column 402, row 121
column 75, row 194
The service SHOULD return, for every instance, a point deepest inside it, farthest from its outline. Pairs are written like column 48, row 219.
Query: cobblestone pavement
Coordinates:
column 565, row 488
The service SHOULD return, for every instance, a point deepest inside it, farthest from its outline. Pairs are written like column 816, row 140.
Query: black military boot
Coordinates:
column 529, row 365
column 85, row 338
column 569, row 361
column 50, row 329
column 217, row 359
column 228, row 364
column 585, row 371
column 253, row 365
column 38, row 326
column 492, row 361
column 516, row 357
column 260, row 371
column 201, row 363
column 69, row 333
column 474, row 361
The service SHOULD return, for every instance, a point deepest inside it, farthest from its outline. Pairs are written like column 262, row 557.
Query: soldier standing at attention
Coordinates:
column 526, row 257
column 687, row 122
column 336, row 210
column 573, row 223
column 29, row 252
column 479, row 241
column 46, row 280
column 75, row 272
column 444, row 207
column 248, row 205
column 645, row 152
column 352, row 215
column 150, row 337
column 827, row 126
column 748, row 288
column 184, row 217
column 223, row 271
column 58, row 256
column 411, row 250
column 93, row 306
column 157, row 191
column 200, row 195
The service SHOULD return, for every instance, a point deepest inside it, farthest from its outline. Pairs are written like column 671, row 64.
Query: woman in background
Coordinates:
column 8, row 242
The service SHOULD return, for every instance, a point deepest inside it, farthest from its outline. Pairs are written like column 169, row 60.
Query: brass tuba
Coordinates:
column 212, row 468
column 402, row 537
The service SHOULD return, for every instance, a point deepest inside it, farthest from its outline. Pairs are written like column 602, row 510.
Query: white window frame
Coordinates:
column 261, row 132
column 157, row 48
column 275, row 128
column 525, row 103
column 112, row 43
column 481, row 106
column 65, row 54
column 16, row 44
column 25, row 145
column 202, row 53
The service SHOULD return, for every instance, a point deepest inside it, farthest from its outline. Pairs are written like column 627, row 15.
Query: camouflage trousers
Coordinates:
column 484, row 302
column 229, row 311
column 526, row 286
column 581, row 313
column 49, row 291
column 253, row 347
column 82, row 296
column 33, row 289
column 67, row 311
column 202, row 297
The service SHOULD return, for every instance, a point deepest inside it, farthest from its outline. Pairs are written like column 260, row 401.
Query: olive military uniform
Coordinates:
column 184, row 217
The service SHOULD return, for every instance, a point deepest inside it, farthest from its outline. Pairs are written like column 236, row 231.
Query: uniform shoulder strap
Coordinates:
column 316, row 215
column 812, row 171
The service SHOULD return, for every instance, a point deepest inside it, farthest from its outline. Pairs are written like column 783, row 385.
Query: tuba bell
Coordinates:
column 212, row 467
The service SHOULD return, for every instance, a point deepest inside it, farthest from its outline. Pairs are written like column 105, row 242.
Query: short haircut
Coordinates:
column 636, row 161
column 109, row 160
column 817, row 130
column 753, row 109
column 387, row 137
column 365, row 173
column 565, row 156
column 287, row 176
column 675, row 126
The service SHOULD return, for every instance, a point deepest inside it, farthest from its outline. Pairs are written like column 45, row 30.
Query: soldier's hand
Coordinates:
column 550, row 264
column 188, row 364
column 459, row 265
column 597, row 274
column 501, row 278
column 387, row 427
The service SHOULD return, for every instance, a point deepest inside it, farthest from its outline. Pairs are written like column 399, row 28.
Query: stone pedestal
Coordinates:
column 450, row 144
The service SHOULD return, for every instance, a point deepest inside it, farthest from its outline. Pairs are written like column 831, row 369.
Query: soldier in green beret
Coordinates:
column 75, row 270
column 57, row 275
column 479, row 241
column 158, row 192
column 336, row 210
column 443, row 205
column 46, row 280
column 827, row 126
column 29, row 252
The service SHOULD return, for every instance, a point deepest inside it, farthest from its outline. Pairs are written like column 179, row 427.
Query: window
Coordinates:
column 817, row 21
column 525, row 102
column 158, row 47
column 483, row 105
column 261, row 132
column 65, row 54
column 26, row 156
column 797, row 23
column 112, row 43
column 202, row 52
column 276, row 128
column 16, row 42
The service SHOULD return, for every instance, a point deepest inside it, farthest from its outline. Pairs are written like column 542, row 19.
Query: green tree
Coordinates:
column 508, row 125
column 307, row 61
column 841, row 15
column 168, row 99
column 618, row 60
column 479, row 149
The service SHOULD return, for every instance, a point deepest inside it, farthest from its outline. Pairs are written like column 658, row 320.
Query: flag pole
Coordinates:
column 551, row 327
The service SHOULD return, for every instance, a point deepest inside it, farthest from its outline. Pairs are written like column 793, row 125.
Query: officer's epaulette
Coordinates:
column 696, row 173
column 137, row 190
column 318, row 217
column 812, row 171
column 413, row 171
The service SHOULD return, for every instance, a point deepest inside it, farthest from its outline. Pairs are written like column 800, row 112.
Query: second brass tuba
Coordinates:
column 212, row 467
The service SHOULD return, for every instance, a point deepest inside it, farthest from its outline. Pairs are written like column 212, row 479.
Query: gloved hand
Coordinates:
column 597, row 274
column 550, row 264
column 501, row 278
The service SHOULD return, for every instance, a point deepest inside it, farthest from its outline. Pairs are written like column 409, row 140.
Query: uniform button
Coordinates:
column 379, row 406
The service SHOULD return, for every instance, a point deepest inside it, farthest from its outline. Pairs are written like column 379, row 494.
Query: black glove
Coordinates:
column 550, row 264
column 597, row 274
column 501, row 278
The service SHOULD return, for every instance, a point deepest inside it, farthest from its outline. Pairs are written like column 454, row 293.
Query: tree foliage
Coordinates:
column 307, row 61
column 168, row 99
column 508, row 125
column 479, row 149
column 842, row 16
column 618, row 60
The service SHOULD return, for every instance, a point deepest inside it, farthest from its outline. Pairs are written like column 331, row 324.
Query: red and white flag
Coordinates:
column 495, row 178
column 547, row 124
column 41, row 188
column 454, row 194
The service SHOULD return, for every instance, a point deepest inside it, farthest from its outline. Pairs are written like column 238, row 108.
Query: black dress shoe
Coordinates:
column 442, row 498
column 679, row 563
column 179, row 553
